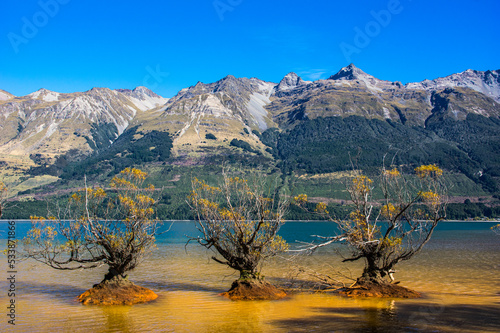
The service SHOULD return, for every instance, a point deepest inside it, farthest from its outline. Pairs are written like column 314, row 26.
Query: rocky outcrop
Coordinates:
column 288, row 83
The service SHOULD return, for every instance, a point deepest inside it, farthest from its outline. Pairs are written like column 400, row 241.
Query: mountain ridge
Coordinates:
column 208, row 122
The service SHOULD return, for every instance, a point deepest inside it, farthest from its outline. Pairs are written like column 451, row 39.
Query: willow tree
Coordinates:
column 384, row 233
column 240, row 219
column 115, row 228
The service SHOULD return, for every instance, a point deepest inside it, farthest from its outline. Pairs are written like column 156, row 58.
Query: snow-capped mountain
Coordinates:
column 47, row 124
column 50, row 123
column 487, row 83
column 351, row 91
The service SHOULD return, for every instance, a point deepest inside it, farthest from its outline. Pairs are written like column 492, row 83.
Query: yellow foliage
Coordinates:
column 237, row 180
column 202, row 186
column 388, row 211
column 207, row 204
column 278, row 245
column 98, row 193
column 300, row 199
column 358, row 218
column 144, row 200
column 430, row 170
column 361, row 184
column 134, row 173
column 75, row 197
column 118, row 183
column 321, row 208
column 226, row 214
column 392, row 173
column 431, row 197
column 392, row 242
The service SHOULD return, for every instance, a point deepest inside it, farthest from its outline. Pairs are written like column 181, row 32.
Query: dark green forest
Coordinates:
column 323, row 145
column 469, row 147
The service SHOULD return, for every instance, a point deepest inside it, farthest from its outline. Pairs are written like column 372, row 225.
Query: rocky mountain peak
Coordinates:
column 5, row 96
column 45, row 95
column 140, row 93
column 350, row 72
column 290, row 81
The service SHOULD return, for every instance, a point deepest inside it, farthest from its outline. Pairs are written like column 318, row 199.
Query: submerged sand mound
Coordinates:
column 253, row 290
column 368, row 289
column 117, row 291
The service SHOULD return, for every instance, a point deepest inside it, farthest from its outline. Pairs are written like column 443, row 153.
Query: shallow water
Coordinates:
column 458, row 273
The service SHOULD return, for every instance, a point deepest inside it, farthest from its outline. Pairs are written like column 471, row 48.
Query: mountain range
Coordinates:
column 296, row 125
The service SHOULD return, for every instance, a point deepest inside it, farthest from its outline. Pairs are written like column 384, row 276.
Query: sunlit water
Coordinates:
column 458, row 273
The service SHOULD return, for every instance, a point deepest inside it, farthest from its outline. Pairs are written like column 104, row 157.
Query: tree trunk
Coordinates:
column 373, row 272
column 113, row 274
column 249, row 274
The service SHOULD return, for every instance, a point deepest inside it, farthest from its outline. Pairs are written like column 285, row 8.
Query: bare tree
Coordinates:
column 240, row 219
column 97, row 228
column 411, row 209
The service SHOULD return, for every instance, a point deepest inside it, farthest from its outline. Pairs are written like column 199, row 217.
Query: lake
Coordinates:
column 458, row 273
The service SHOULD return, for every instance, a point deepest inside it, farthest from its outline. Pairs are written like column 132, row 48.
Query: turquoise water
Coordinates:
column 458, row 273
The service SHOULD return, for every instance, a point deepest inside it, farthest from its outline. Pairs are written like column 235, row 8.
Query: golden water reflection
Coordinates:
column 461, row 288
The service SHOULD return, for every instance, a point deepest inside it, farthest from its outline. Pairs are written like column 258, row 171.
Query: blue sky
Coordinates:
column 74, row 45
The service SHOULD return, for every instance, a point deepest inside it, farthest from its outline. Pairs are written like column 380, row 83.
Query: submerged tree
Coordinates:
column 411, row 208
column 98, row 228
column 240, row 220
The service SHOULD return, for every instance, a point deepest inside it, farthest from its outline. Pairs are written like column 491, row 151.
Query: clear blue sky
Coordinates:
column 80, row 44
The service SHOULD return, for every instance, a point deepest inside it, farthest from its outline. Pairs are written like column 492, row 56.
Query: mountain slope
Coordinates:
column 353, row 92
column 231, row 108
column 48, row 124
column 487, row 83
column 297, row 125
column 4, row 95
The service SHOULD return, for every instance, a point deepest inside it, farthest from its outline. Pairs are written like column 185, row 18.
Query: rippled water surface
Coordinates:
column 458, row 273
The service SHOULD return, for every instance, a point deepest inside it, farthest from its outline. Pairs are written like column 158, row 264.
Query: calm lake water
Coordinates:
column 458, row 273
